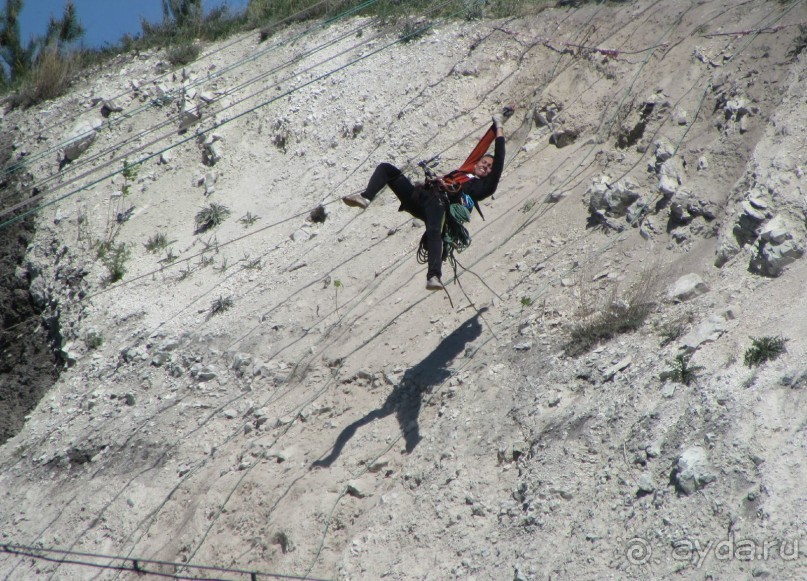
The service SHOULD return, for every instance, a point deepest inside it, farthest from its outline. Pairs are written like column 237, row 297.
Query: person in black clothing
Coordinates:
column 476, row 179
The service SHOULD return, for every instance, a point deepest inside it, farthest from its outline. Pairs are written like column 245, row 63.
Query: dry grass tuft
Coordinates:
column 603, row 315
column 50, row 78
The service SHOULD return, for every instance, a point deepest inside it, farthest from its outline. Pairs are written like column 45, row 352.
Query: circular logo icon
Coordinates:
column 638, row 551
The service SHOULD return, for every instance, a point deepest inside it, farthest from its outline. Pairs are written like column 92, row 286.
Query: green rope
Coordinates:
column 456, row 237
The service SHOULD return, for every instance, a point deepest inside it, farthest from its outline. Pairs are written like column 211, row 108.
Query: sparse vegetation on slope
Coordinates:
column 288, row 397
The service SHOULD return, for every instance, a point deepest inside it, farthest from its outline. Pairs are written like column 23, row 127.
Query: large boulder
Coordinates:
column 693, row 470
column 686, row 287
column 771, row 259
column 612, row 199
column 706, row 332
column 80, row 137
column 776, row 248
column 752, row 213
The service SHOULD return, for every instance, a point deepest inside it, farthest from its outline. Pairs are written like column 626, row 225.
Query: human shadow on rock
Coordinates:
column 406, row 397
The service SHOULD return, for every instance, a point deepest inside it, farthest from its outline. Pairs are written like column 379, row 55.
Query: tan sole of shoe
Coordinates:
column 354, row 203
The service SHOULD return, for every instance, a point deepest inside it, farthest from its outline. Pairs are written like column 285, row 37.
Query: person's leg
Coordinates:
column 385, row 174
column 435, row 215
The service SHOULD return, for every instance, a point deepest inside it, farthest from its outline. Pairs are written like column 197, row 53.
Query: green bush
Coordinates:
column 220, row 305
column 185, row 272
column 671, row 330
column 801, row 42
column 114, row 258
column 157, row 242
column 682, row 371
column 182, row 13
column 129, row 174
column 412, row 29
column 211, row 216
column 93, row 340
column 183, row 54
column 248, row 219
column 764, row 349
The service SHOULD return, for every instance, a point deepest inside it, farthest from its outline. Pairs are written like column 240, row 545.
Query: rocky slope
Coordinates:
column 278, row 394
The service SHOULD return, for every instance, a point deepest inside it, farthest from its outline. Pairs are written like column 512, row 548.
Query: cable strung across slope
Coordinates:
column 138, row 565
column 375, row 336
column 319, row 25
column 207, row 130
column 396, row 41
column 103, row 154
column 173, row 121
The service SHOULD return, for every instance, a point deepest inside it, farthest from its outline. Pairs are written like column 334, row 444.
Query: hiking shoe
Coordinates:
column 433, row 284
column 356, row 201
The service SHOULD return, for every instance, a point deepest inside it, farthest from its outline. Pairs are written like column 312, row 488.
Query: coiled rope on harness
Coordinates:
column 456, row 237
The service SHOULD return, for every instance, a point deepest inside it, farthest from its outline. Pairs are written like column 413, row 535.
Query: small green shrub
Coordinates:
column 526, row 301
column 102, row 248
column 211, row 243
column 615, row 320
column 129, row 174
column 211, row 216
column 248, row 219
column 528, row 205
column 185, row 272
column 682, row 371
column 93, row 340
column 170, row 257
column 182, row 54
column 412, row 29
column 764, row 349
column 801, row 42
column 114, row 258
column 157, row 242
column 337, row 284
column 220, row 305
column 672, row 330
column 182, row 14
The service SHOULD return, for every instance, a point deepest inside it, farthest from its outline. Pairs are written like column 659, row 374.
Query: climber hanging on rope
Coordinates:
column 476, row 179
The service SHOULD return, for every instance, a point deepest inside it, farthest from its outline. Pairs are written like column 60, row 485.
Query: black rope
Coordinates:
column 137, row 565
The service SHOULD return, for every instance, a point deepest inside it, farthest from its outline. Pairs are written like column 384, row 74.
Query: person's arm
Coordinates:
column 486, row 187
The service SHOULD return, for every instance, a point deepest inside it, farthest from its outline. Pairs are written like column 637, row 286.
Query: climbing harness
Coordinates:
column 458, row 207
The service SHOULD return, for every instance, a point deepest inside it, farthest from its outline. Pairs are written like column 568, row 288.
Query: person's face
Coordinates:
column 483, row 167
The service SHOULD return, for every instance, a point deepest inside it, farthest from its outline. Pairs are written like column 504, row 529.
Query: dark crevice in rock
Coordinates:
column 632, row 137
column 28, row 367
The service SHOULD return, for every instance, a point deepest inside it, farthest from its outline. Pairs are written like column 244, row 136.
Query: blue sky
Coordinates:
column 104, row 21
